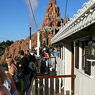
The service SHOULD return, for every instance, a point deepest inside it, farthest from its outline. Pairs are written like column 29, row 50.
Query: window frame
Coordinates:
column 81, row 55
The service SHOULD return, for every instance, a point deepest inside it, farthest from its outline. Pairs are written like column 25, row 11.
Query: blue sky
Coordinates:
column 15, row 16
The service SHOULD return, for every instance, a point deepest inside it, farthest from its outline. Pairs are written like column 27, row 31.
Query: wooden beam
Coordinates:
column 59, row 76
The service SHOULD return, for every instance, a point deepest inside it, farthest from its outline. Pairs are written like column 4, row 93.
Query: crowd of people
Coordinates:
column 17, row 73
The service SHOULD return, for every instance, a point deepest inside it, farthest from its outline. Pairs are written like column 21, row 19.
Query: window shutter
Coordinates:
column 77, row 54
column 87, row 63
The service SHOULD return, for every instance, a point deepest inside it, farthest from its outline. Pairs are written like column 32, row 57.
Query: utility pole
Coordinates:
column 38, row 43
column 30, row 39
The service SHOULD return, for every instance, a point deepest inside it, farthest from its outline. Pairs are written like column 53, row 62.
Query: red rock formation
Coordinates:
column 52, row 17
column 19, row 45
column 51, row 31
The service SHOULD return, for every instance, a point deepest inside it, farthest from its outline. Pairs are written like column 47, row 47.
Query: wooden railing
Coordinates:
column 58, row 76
column 51, row 85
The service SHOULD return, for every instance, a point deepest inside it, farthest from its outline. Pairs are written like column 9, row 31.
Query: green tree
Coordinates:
column 4, row 45
column 41, row 41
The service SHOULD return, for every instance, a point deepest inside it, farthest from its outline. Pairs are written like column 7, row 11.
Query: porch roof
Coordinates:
column 84, row 18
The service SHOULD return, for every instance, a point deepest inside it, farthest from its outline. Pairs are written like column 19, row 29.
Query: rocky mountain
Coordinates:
column 52, row 22
column 51, row 25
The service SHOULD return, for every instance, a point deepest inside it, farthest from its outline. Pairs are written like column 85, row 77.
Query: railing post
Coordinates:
column 43, row 86
column 38, row 87
column 54, row 87
column 64, row 88
column 32, row 88
column 74, row 87
column 49, row 85
column 59, row 85
column 33, row 91
column 70, row 92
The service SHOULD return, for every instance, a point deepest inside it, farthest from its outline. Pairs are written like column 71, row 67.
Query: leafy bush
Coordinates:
column 4, row 45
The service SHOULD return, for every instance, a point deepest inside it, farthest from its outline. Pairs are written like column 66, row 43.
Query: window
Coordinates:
column 82, row 54
column 85, row 53
column 87, row 63
column 91, row 46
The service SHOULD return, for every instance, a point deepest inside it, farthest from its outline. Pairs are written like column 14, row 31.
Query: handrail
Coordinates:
column 58, row 76
column 32, row 92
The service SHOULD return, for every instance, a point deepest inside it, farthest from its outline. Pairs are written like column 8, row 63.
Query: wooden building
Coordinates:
column 75, row 44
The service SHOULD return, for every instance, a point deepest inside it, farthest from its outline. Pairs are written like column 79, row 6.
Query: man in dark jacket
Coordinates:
column 25, row 70
column 32, row 59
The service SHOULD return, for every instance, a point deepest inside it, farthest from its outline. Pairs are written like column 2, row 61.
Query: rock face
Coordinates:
column 19, row 45
column 52, row 17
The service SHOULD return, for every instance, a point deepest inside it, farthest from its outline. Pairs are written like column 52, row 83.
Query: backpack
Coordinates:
column 32, row 66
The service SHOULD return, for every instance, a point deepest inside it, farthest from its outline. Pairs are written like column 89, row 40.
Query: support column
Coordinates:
column 38, row 43
column 30, row 45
